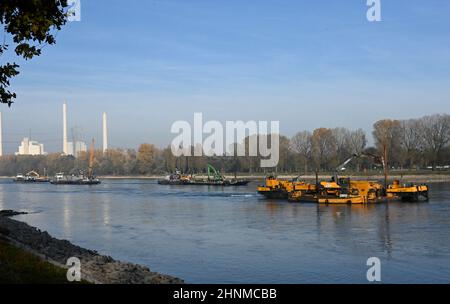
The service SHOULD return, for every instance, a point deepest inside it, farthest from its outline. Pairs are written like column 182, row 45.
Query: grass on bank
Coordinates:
column 20, row 267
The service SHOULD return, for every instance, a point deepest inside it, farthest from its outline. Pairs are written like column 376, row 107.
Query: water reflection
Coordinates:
column 106, row 213
column 67, row 225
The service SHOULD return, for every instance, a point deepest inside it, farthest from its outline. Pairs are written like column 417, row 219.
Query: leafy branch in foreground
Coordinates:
column 30, row 24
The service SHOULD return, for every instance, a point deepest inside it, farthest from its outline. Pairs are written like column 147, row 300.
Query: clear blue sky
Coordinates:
column 306, row 63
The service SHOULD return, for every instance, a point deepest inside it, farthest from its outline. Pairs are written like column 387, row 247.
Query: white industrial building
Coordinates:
column 30, row 147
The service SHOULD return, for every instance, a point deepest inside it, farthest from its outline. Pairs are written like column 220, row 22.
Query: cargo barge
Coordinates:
column 214, row 179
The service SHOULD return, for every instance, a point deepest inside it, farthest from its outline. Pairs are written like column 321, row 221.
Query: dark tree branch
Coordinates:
column 30, row 24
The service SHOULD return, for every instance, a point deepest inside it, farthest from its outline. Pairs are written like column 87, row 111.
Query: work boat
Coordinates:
column 30, row 177
column 175, row 179
column 408, row 192
column 79, row 179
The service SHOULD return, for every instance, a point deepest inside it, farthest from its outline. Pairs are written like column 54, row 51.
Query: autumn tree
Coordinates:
column 145, row 158
column 130, row 165
column 113, row 162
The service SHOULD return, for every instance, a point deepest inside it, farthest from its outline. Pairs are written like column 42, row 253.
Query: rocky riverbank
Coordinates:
column 95, row 268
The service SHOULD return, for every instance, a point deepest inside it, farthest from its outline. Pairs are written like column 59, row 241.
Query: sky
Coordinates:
column 307, row 64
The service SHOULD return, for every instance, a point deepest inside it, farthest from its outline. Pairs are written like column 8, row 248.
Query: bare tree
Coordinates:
column 356, row 143
column 386, row 134
column 324, row 147
column 341, row 136
column 411, row 141
column 301, row 144
column 436, row 135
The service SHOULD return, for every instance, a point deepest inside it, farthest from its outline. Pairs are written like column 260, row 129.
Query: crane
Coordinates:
column 214, row 173
column 341, row 167
column 91, row 160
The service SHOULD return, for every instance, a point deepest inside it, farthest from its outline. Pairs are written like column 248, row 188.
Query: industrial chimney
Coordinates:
column 105, row 133
column 65, row 146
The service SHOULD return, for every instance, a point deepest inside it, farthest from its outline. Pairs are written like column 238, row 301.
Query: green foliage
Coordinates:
column 30, row 24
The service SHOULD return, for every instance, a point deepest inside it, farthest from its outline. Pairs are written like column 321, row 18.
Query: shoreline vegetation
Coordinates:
column 421, row 144
column 29, row 255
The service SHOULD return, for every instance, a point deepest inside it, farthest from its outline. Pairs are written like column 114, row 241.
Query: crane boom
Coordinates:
column 214, row 173
column 91, row 160
column 341, row 167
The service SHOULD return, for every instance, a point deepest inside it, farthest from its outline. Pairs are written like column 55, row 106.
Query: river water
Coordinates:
column 232, row 235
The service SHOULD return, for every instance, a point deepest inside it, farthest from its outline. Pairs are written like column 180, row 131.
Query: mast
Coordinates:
column 91, row 160
column 385, row 166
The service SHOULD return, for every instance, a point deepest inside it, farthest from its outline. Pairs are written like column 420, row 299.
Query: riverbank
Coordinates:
column 406, row 177
column 25, row 240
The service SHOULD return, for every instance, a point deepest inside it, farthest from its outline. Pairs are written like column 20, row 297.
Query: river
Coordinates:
column 232, row 235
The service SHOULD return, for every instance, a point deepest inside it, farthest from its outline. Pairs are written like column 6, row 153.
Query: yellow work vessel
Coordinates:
column 407, row 192
column 279, row 189
column 344, row 191
column 345, row 200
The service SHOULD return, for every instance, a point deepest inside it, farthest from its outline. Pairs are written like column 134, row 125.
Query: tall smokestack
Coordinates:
column 105, row 133
column 1, row 135
column 65, row 146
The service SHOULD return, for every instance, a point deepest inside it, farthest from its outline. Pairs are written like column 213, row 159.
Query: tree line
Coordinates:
column 411, row 144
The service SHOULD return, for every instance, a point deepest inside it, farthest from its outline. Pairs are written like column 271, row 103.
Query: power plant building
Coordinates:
column 30, row 147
